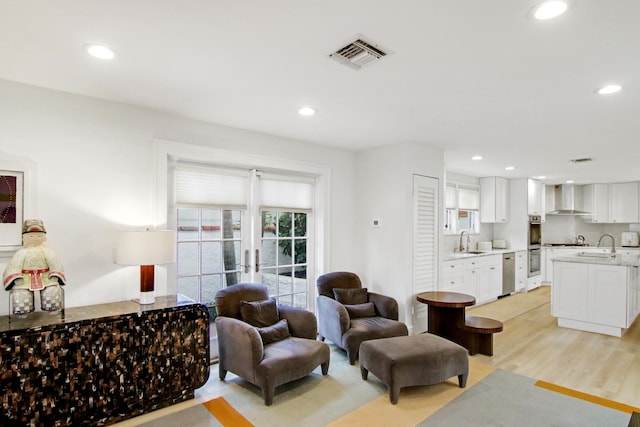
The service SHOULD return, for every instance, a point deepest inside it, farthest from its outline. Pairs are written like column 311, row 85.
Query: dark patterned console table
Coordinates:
column 101, row 364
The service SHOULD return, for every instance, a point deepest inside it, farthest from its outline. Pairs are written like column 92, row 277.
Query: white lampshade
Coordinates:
column 146, row 247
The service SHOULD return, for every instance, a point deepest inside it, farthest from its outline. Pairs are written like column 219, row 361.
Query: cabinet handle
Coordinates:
column 257, row 260
column 493, row 268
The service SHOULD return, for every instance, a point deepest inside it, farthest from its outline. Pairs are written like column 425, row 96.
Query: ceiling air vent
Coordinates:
column 357, row 54
column 583, row 160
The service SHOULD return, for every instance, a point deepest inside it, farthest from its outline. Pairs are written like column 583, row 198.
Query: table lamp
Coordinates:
column 146, row 249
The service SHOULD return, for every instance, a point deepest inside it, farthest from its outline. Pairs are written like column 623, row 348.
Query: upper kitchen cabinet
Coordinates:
column 623, row 202
column 596, row 202
column 612, row 203
column 535, row 198
column 494, row 199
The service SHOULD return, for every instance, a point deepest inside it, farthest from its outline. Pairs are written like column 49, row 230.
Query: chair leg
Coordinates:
column 325, row 368
column 364, row 372
column 462, row 380
column 222, row 372
column 321, row 338
column 267, row 394
column 352, row 357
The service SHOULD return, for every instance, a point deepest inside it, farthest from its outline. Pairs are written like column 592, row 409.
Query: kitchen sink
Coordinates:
column 596, row 255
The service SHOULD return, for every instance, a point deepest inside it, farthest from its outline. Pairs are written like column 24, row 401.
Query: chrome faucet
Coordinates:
column 460, row 247
column 613, row 242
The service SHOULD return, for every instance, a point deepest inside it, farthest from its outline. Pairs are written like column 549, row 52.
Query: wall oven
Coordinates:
column 534, row 242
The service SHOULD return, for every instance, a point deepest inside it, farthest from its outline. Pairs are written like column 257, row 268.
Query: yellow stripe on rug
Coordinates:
column 588, row 397
column 225, row 413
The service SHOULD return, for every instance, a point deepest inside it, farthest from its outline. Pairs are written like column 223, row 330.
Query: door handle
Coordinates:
column 247, row 266
column 257, row 260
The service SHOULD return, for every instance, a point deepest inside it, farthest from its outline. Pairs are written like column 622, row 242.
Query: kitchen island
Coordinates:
column 596, row 292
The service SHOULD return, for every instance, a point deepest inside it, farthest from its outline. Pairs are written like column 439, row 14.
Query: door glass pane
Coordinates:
column 285, row 221
column 187, row 259
column 188, row 224
column 215, row 237
column 189, row 287
column 211, row 257
column 289, row 254
column 210, row 286
column 284, row 253
column 211, row 224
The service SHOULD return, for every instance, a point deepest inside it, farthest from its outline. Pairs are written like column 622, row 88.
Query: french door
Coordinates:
column 260, row 233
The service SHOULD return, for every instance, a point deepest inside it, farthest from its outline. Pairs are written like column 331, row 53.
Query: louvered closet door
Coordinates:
column 425, row 244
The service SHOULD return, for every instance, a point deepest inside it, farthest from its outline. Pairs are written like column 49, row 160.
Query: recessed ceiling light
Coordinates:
column 549, row 9
column 541, row 177
column 570, row 181
column 609, row 89
column 100, row 51
column 476, row 158
column 509, row 168
column 307, row 111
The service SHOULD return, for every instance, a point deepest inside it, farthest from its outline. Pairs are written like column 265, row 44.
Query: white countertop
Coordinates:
column 622, row 260
column 463, row 255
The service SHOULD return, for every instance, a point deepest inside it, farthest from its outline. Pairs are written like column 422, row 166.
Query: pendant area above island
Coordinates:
column 596, row 294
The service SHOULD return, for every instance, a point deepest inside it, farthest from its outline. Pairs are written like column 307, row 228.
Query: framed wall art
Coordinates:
column 11, row 208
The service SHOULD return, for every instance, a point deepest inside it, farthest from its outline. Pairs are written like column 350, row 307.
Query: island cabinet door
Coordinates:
column 570, row 290
column 608, row 295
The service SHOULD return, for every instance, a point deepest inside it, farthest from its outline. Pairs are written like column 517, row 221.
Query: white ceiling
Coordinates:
column 466, row 76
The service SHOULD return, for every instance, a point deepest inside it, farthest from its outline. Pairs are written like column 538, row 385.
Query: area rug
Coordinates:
column 507, row 399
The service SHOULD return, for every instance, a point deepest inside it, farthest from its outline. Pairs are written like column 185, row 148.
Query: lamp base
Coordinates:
column 147, row 281
column 147, row 298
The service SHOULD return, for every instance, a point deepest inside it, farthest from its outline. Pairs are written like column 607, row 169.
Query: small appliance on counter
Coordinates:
column 484, row 246
column 629, row 239
column 499, row 244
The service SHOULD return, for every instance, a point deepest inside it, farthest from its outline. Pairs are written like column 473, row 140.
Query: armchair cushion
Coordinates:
column 276, row 332
column 351, row 296
column 259, row 313
column 357, row 311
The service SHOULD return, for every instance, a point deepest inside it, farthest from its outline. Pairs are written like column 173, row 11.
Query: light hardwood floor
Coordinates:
column 533, row 345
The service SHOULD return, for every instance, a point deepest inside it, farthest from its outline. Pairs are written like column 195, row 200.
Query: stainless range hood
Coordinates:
column 565, row 199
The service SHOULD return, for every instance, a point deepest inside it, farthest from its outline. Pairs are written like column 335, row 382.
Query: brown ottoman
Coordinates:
column 413, row 360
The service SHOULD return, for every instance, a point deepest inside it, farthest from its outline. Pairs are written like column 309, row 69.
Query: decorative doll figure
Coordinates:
column 35, row 267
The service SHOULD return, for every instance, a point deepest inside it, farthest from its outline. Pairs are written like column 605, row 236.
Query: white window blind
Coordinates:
column 468, row 199
column 200, row 186
column 450, row 197
column 283, row 192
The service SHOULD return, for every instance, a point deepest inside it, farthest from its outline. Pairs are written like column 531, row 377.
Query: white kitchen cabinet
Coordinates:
column 489, row 280
column 521, row 270
column 453, row 276
column 595, row 297
column 535, row 198
column 607, row 295
column 494, row 199
column 570, row 291
column 479, row 276
column 596, row 202
column 623, row 202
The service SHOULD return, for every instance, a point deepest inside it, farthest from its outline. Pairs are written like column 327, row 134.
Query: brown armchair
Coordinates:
column 367, row 316
column 269, row 354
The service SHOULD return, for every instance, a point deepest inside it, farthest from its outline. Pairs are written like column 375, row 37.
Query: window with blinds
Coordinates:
column 462, row 210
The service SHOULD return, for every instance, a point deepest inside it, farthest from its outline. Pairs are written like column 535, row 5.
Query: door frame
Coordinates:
column 167, row 152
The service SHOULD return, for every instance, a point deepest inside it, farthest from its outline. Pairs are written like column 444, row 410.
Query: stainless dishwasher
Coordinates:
column 508, row 273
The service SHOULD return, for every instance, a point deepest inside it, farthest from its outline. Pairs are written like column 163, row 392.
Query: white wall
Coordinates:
column 384, row 190
column 93, row 169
